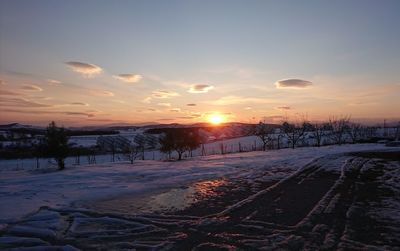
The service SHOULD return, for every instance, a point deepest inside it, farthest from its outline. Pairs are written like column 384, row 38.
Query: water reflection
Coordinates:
column 181, row 198
column 165, row 201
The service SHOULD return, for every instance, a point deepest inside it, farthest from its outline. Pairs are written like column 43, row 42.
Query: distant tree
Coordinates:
column 132, row 151
column 338, row 127
column 56, row 141
column 294, row 132
column 180, row 141
column 354, row 130
column 166, row 143
column 319, row 131
column 193, row 141
column 264, row 132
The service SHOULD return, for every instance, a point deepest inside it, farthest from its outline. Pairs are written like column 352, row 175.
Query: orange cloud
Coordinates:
column 128, row 78
column 175, row 110
column 164, row 104
column 86, row 69
column 6, row 92
column 31, row 88
column 53, row 82
column 21, row 102
column 90, row 115
column 163, row 94
column 200, row 88
column 101, row 93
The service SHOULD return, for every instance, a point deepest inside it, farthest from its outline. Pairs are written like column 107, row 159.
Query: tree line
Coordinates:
column 336, row 130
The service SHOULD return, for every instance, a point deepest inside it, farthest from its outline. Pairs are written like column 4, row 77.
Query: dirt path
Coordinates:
column 336, row 202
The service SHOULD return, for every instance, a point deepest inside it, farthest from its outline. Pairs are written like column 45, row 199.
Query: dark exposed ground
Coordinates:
column 334, row 203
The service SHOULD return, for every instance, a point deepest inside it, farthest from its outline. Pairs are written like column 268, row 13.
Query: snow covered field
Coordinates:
column 24, row 191
column 333, row 197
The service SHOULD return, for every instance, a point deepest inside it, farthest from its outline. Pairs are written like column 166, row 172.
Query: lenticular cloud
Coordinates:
column 293, row 83
column 86, row 69
column 128, row 78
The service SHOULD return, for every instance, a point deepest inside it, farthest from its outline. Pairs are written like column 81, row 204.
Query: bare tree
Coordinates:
column 132, row 151
column 264, row 132
column 338, row 127
column 294, row 132
column 319, row 131
column 354, row 131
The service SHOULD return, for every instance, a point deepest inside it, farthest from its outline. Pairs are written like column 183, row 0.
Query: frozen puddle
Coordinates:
column 161, row 201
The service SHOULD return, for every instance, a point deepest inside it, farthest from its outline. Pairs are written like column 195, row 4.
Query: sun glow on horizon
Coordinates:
column 216, row 119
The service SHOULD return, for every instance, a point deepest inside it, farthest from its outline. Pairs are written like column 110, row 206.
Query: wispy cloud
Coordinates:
column 21, row 102
column 283, row 108
column 31, row 88
column 128, row 78
column 79, row 104
column 101, row 93
column 41, row 97
column 25, row 75
column 164, row 104
column 293, row 83
column 53, row 82
column 88, row 70
column 163, row 94
column 362, row 103
column 191, row 104
column 7, row 92
column 90, row 115
column 191, row 116
column 160, row 94
column 232, row 100
column 147, row 100
column 200, row 88
column 175, row 110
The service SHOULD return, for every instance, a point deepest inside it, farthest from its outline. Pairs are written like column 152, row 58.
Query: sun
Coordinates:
column 216, row 119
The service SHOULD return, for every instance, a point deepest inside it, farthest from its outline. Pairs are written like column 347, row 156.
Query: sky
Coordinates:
column 105, row 62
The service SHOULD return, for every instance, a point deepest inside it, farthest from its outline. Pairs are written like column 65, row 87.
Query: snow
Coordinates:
column 25, row 191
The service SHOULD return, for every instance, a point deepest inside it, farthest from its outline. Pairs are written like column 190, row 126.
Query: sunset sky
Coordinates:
column 103, row 62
